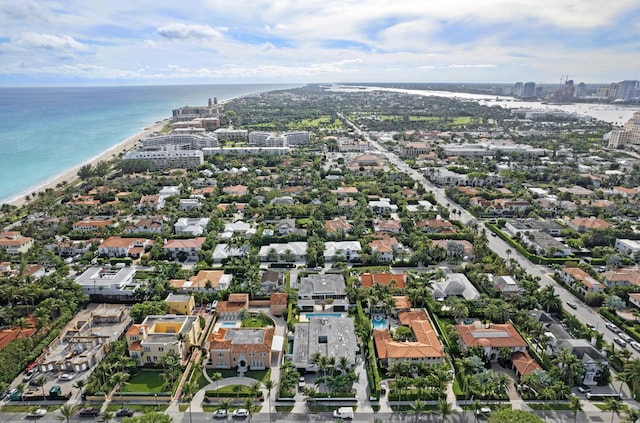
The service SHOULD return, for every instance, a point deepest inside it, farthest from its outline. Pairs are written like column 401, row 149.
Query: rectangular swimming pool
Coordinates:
column 379, row 324
column 311, row 315
column 229, row 324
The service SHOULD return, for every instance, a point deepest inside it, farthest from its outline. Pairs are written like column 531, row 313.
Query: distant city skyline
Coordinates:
column 75, row 42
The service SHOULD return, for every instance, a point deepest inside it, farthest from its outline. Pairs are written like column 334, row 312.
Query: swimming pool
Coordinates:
column 310, row 315
column 229, row 324
column 379, row 324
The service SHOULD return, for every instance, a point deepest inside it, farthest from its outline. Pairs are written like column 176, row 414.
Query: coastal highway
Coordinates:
column 583, row 313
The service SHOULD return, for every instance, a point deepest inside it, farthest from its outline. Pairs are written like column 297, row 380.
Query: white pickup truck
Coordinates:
column 345, row 413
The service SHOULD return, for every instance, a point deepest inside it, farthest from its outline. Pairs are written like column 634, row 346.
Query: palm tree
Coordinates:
column 445, row 409
column 119, row 380
column 224, row 405
column 107, row 416
column 215, row 378
column 401, row 384
column 575, row 405
column 269, row 385
column 418, row 408
column 188, row 391
column 570, row 366
column 79, row 385
column 67, row 411
column 41, row 381
column 236, row 390
column 248, row 404
column 632, row 415
column 615, row 406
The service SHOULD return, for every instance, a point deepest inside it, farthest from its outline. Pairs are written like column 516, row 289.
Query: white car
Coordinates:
column 620, row 342
column 635, row 345
column 65, row 376
column 220, row 414
column 40, row 412
column 240, row 413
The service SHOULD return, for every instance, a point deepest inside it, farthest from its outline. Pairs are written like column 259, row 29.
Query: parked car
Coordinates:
column 483, row 411
column 65, row 376
column 240, row 413
column 124, row 412
column 36, row 414
column 613, row 328
column 28, row 375
column 591, row 326
column 220, row 414
column 572, row 305
column 584, row 389
column 635, row 345
column 620, row 342
column 89, row 412
column 625, row 337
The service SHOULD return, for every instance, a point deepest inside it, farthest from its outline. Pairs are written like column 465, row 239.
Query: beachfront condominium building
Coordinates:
column 629, row 135
column 167, row 156
column 232, row 134
column 194, row 141
column 297, row 137
column 212, row 109
column 158, row 335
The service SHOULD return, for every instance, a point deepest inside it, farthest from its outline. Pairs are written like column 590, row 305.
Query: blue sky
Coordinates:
column 95, row 42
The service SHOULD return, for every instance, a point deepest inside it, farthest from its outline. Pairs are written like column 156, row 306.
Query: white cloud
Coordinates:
column 471, row 66
column 185, row 31
column 30, row 40
column 317, row 39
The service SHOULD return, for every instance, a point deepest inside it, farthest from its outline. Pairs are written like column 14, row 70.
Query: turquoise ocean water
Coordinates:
column 44, row 132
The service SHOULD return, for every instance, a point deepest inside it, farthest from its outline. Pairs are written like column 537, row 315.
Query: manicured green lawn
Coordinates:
column 145, row 381
column 257, row 322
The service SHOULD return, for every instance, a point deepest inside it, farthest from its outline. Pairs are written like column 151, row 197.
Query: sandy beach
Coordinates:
column 72, row 174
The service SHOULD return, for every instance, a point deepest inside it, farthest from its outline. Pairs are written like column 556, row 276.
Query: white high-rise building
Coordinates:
column 630, row 134
column 168, row 156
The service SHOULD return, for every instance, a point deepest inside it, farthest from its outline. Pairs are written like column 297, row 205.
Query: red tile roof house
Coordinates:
column 230, row 309
column 278, row 303
column 426, row 347
column 581, row 280
column 387, row 225
column 191, row 247
column 244, row 348
column 235, row 190
column 14, row 243
column 586, row 224
column 394, row 280
column 491, row 337
column 338, row 226
column 91, row 224
column 436, row 226
column 386, row 247
column 124, row 247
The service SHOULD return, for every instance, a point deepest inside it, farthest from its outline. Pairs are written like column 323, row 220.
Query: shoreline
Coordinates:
column 71, row 175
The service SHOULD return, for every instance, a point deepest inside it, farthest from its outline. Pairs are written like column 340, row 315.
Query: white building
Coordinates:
column 118, row 283
column 167, row 156
column 297, row 137
column 627, row 247
column 349, row 250
column 180, row 138
column 193, row 226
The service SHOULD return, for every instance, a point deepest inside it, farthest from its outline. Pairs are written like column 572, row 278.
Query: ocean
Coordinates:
column 45, row 132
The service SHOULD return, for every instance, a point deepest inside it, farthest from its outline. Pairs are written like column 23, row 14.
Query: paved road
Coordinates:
column 326, row 417
column 499, row 246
